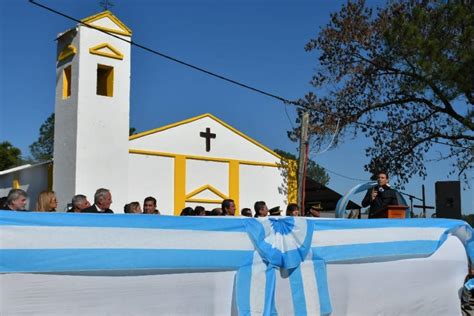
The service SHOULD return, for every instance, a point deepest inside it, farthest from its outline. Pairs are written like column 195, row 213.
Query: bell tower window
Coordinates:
column 67, row 82
column 105, row 80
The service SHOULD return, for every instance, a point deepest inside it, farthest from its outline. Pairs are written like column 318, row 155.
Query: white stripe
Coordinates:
column 45, row 237
column 257, row 286
column 374, row 235
column 310, row 289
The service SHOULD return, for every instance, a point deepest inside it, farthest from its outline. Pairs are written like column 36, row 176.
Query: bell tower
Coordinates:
column 92, row 110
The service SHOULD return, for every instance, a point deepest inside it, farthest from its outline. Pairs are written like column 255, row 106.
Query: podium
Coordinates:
column 396, row 211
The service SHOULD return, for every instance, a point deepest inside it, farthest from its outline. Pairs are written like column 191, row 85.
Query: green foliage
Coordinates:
column 406, row 69
column 313, row 171
column 43, row 148
column 10, row 156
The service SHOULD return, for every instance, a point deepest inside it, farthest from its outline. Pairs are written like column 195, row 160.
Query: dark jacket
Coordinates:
column 93, row 209
column 378, row 207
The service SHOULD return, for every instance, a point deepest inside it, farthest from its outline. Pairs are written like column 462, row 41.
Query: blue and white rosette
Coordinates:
column 283, row 242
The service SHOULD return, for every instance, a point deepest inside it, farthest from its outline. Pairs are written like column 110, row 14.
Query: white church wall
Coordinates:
column 259, row 183
column 102, row 135
column 200, row 173
column 151, row 176
column 186, row 139
column 65, row 124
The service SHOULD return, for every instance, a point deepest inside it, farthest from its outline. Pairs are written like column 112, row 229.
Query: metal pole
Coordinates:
column 424, row 200
column 302, row 160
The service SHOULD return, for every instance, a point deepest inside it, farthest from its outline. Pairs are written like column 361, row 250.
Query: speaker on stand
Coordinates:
column 448, row 199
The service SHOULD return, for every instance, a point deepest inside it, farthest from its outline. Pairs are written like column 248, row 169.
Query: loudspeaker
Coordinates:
column 448, row 199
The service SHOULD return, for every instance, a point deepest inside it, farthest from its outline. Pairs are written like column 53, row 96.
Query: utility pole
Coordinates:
column 303, row 160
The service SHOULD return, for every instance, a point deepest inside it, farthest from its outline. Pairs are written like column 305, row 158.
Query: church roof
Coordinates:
column 23, row 167
column 108, row 22
column 202, row 116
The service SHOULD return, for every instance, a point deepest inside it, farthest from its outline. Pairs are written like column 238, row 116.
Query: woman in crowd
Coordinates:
column 133, row 208
column 46, row 202
column 292, row 210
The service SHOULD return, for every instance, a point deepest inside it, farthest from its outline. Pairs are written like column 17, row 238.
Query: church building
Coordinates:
column 197, row 161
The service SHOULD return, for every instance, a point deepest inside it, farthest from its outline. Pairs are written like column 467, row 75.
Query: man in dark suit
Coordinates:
column 380, row 197
column 102, row 201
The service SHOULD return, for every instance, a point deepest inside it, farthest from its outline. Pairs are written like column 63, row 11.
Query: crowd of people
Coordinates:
column 47, row 202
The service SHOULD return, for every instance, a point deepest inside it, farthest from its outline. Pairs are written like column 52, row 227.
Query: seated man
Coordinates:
column 149, row 206
column 79, row 202
column 102, row 202
column 380, row 197
column 16, row 200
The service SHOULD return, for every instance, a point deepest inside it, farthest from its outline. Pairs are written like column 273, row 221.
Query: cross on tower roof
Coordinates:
column 106, row 4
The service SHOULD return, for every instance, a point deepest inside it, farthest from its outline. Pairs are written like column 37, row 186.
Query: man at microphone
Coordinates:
column 379, row 197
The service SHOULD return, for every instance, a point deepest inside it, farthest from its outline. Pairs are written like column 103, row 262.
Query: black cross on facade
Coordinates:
column 208, row 135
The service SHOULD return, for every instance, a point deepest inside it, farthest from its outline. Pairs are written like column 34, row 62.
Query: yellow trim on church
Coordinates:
column 124, row 30
column 67, row 51
column 179, row 183
column 96, row 50
column 204, row 188
column 194, row 157
column 180, row 196
column 192, row 119
column 16, row 183
column 234, row 184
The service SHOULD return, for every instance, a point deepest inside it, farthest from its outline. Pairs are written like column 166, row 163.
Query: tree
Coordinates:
column 43, row 148
column 313, row 170
column 10, row 156
column 402, row 75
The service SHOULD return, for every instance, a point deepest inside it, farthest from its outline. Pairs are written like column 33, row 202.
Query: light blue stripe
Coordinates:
column 320, row 272
column 385, row 223
column 243, row 280
column 11, row 218
column 56, row 260
column 269, row 306
column 375, row 251
column 297, row 291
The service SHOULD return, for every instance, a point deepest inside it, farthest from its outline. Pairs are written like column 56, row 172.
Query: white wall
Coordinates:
column 185, row 139
column 151, row 176
column 91, row 134
column 200, row 173
column 260, row 184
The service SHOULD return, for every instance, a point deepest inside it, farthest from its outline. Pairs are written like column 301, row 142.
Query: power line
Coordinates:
column 153, row 51
column 282, row 99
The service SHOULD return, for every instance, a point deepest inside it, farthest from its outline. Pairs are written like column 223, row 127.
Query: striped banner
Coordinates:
column 266, row 253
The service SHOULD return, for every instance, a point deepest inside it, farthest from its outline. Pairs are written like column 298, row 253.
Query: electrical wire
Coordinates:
column 332, row 139
column 282, row 99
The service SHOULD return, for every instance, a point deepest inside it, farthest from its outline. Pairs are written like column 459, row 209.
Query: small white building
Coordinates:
column 198, row 161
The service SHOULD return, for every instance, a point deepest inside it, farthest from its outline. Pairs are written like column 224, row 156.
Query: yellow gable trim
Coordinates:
column 124, row 30
column 193, row 157
column 204, row 188
column 96, row 50
column 208, row 201
column 160, row 129
column 67, row 52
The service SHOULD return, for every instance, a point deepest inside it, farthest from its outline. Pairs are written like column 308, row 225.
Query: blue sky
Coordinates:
column 260, row 43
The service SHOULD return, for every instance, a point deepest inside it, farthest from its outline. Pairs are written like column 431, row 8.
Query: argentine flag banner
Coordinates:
column 94, row 264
